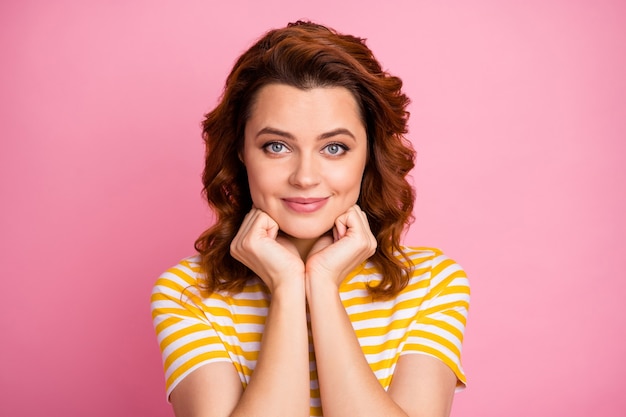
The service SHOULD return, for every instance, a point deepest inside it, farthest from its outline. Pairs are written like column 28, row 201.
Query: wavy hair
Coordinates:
column 307, row 55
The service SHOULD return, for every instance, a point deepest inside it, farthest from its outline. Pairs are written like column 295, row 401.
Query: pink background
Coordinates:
column 519, row 117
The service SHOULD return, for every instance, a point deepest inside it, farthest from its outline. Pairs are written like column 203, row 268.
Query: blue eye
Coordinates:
column 335, row 149
column 275, row 147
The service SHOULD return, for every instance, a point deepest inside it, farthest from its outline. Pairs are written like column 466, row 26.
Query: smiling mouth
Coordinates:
column 305, row 205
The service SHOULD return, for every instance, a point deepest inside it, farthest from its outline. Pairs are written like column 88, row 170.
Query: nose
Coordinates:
column 305, row 172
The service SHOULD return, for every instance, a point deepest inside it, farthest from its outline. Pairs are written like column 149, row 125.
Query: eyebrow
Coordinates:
column 287, row 135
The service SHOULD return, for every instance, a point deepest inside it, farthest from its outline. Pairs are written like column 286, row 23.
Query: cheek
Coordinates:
column 261, row 185
column 351, row 176
column 256, row 187
column 348, row 182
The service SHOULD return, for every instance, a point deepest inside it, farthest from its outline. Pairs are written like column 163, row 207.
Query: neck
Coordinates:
column 303, row 246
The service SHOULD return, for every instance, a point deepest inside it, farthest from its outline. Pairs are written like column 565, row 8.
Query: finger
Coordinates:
column 246, row 231
column 267, row 225
column 321, row 243
column 351, row 221
column 286, row 243
column 357, row 226
column 363, row 219
column 247, row 223
column 341, row 227
column 373, row 243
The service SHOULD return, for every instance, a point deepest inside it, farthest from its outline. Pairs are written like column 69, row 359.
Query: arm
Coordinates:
column 421, row 386
column 355, row 391
column 279, row 385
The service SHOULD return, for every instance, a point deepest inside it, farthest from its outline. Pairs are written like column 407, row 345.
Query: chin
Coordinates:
column 304, row 233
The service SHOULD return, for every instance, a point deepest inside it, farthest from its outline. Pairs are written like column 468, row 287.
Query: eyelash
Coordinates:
column 268, row 145
column 342, row 148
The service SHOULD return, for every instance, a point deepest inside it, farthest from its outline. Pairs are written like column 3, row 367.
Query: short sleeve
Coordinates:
column 185, row 335
column 439, row 325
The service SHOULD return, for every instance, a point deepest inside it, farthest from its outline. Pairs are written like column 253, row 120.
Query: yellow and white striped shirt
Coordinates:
column 428, row 317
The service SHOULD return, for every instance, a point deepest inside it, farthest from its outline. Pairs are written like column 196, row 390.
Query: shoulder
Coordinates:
column 429, row 269
column 176, row 291
column 183, row 283
column 433, row 267
column 420, row 256
column 179, row 277
column 432, row 259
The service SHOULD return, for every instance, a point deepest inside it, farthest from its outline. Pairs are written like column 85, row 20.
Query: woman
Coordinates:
column 302, row 300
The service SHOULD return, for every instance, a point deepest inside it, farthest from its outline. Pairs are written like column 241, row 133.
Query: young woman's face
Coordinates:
column 304, row 152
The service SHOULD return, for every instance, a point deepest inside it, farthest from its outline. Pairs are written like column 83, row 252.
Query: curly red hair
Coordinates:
column 306, row 55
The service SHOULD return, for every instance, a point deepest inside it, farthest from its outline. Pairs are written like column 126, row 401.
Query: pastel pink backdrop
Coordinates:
column 519, row 118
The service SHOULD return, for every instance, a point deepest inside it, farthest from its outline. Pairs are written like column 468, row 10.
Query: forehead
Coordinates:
column 305, row 108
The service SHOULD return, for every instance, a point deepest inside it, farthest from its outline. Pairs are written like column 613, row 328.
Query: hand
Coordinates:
column 352, row 242
column 258, row 245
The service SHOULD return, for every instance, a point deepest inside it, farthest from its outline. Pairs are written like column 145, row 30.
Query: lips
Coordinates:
column 305, row 205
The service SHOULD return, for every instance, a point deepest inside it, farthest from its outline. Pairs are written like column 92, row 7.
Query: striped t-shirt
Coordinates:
column 428, row 317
